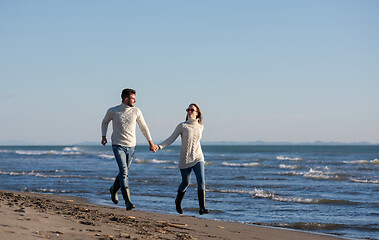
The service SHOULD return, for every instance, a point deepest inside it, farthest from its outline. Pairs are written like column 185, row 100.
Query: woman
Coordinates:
column 191, row 156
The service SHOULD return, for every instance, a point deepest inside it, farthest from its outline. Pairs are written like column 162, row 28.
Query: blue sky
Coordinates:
column 260, row 70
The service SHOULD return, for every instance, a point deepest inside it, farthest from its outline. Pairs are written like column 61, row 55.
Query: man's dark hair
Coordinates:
column 126, row 93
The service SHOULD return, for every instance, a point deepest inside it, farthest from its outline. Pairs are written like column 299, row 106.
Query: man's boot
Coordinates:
column 178, row 201
column 113, row 190
column 201, row 196
column 128, row 203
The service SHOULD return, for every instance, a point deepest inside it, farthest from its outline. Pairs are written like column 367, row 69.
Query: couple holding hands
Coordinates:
column 124, row 119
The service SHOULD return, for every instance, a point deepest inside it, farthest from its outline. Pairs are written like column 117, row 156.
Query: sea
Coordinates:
column 321, row 189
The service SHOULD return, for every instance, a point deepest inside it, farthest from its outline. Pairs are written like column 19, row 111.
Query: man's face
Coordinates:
column 130, row 100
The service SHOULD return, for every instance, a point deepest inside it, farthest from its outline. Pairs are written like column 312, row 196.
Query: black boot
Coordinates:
column 113, row 190
column 201, row 196
column 128, row 203
column 178, row 201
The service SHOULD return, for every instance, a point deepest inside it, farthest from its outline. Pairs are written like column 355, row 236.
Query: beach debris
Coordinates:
column 220, row 227
column 57, row 232
column 42, row 234
column 176, row 225
column 87, row 223
column 124, row 235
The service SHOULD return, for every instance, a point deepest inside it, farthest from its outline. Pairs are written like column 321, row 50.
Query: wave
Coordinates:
column 45, row 190
column 260, row 193
column 155, row 161
column 39, row 174
column 364, row 180
column 288, row 158
column 289, row 166
column 374, row 161
column 106, row 156
column 313, row 226
column 64, row 151
column 317, row 174
column 162, row 161
column 254, row 164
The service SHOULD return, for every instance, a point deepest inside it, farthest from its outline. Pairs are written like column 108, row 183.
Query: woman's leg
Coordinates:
column 200, row 177
column 186, row 178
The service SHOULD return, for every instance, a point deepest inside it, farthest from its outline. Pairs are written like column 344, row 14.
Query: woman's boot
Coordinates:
column 126, row 195
column 113, row 190
column 178, row 201
column 201, row 196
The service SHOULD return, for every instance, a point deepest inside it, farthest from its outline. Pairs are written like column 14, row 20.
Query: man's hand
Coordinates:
column 104, row 140
column 153, row 147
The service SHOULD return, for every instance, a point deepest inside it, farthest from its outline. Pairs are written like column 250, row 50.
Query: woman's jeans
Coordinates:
column 123, row 157
column 186, row 177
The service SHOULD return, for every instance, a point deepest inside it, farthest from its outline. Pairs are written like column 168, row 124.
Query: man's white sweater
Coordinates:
column 190, row 152
column 124, row 120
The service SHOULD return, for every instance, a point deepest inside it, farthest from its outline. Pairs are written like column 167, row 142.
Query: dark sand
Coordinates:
column 44, row 216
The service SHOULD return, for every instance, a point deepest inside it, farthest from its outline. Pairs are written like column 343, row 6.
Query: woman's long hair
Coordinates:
column 199, row 114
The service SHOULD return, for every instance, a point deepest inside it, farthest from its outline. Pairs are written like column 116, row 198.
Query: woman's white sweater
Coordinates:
column 190, row 152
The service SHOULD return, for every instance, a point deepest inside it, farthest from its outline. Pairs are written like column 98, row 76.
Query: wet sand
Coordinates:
column 25, row 215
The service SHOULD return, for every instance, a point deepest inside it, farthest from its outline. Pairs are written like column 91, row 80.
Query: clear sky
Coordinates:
column 260, row 70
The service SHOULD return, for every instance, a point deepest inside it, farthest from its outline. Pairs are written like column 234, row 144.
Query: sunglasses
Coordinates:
column 190, row 110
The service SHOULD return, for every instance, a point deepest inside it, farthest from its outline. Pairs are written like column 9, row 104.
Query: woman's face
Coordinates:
column 191, row 112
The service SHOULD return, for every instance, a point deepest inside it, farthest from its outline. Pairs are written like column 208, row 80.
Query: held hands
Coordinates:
column 153, row 147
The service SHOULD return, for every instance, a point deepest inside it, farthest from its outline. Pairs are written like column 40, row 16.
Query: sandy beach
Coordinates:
column 27, row 215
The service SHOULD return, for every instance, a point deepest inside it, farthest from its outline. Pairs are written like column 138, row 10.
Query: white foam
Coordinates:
column 288, row 158
column 160, row 161
column 356, row 162
column 260, row 193
column 364, row 180
column 289, row 166
column 24, row 152
column 254, row 164
column 65, row 151
column 374, row 161
column 317, row 174
column 106, row 156
column 71, row 149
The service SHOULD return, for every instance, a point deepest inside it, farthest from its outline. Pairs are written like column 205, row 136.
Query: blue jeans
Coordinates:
column 124, row 156
column 186, row 177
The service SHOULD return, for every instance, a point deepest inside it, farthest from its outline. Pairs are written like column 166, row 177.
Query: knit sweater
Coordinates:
column 124, row 120
column 190, row 152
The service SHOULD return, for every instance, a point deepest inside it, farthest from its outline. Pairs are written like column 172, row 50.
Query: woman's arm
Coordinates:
column 171, row 138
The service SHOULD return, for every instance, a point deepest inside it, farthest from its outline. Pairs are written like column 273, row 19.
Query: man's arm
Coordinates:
column 104, row 127
column 145, row 131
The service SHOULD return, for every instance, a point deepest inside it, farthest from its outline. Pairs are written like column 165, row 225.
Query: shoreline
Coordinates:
column 27, row 215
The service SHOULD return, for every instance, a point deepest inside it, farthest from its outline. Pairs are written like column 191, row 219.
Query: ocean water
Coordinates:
column 323, row 189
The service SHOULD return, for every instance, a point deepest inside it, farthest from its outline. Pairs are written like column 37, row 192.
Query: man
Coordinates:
column 124, row 119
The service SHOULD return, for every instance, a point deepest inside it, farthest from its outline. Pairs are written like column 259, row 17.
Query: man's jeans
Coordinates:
column 186, row 177
column 123, row 157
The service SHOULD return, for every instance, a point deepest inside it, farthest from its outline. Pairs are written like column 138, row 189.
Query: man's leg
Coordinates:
column 123, row 157
column 113, row 190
